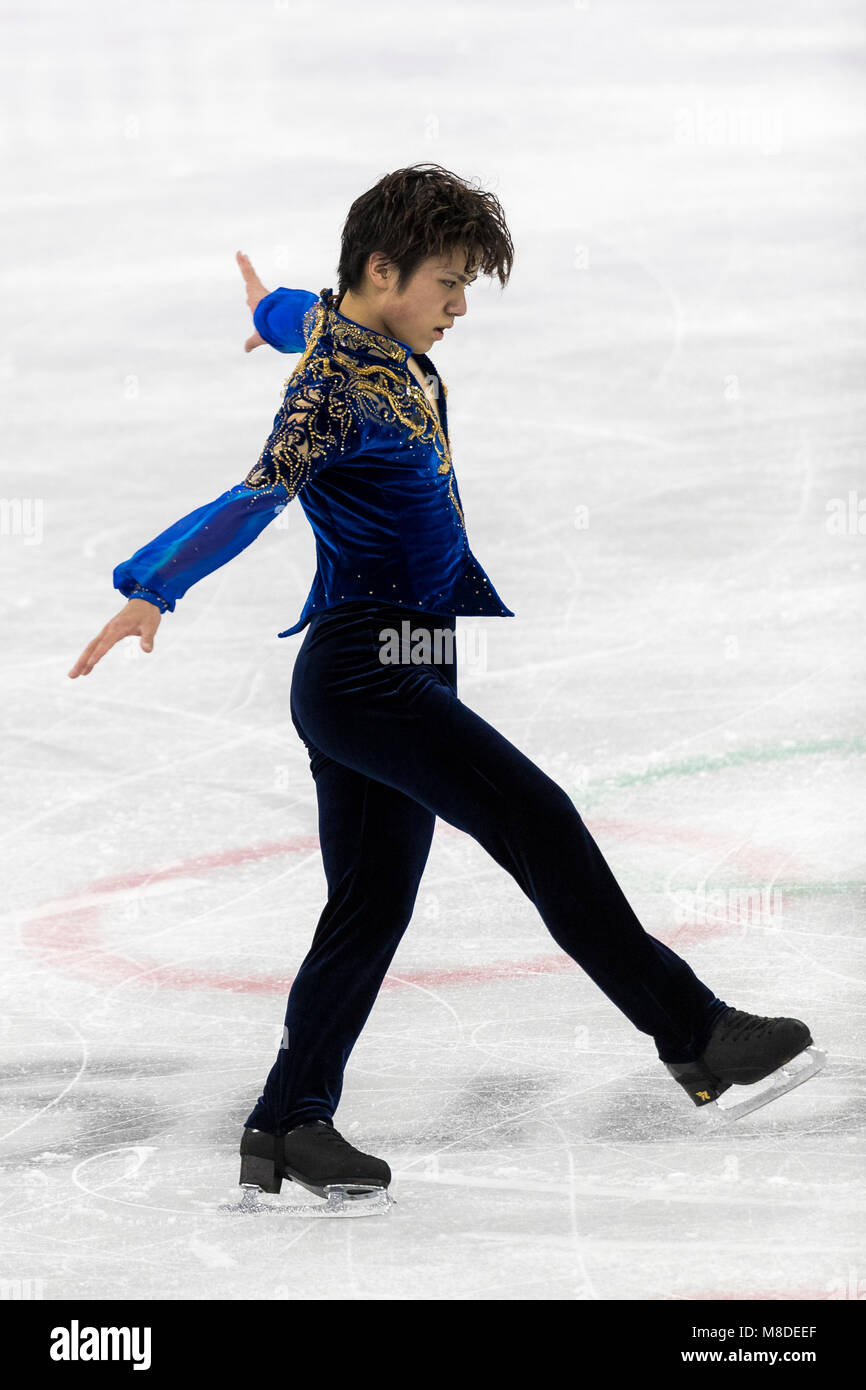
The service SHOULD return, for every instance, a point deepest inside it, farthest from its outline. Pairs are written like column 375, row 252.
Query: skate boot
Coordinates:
column 318, row 1158
column 745, row 1050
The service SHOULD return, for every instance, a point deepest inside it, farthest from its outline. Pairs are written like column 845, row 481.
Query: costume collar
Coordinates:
column 355, row 336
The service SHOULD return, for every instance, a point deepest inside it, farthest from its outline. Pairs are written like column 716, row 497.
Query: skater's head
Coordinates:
column 410, row 246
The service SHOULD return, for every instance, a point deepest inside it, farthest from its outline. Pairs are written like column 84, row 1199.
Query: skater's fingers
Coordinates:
column 137, row 618
column 82, row 665
column 255, row 289
column 245, row 264
column 94, row 652
column 147, row 629
column 253, row 342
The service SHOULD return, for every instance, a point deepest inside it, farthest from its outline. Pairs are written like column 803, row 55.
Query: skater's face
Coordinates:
column 429, row 303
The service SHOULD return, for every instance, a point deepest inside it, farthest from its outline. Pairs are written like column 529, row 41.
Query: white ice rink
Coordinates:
column 658, row 433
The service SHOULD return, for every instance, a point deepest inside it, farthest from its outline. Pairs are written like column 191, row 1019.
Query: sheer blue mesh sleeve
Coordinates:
column 281, row 318
column 308, row 434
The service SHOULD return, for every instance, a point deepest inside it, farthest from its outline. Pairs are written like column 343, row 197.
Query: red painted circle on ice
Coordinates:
column 67, row 932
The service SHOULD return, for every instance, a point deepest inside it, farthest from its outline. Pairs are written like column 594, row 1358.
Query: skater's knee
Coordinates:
column 388, row 896
column 547, row 810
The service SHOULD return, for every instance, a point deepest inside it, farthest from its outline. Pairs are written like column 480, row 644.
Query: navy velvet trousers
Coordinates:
column 392, row 747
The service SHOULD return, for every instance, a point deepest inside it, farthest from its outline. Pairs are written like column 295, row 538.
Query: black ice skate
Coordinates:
column 768, row 1055
column 317, row 1157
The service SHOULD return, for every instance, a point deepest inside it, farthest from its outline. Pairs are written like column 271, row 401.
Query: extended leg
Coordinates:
column 405, row 726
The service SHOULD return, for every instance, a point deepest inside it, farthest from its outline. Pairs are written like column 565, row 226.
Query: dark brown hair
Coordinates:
column 420, row 211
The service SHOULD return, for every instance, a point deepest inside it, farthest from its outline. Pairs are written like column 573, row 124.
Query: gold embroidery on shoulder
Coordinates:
column 313, row 425
column 354, row 335
column 315, row 316
column 352, row 391
column 310, row 318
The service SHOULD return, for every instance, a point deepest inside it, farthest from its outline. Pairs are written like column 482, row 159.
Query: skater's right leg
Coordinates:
column 375, row 842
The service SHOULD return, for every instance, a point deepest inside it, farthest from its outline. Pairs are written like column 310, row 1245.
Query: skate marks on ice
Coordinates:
column 477, row 1109
column 78, row 1106
column 116, row 1128
column 570, row 1189
column 659, row 1152
column 619, row 1099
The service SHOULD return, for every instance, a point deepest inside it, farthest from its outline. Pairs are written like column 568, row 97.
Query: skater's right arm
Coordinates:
column 184, row 553
column 311, row 430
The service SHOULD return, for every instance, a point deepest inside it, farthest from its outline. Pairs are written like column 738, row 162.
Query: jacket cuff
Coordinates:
column 150, row 597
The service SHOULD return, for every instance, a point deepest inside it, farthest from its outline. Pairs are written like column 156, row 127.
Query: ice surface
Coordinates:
column 679, row 353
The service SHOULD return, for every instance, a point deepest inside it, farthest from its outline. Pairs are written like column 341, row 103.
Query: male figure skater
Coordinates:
column 362, row 439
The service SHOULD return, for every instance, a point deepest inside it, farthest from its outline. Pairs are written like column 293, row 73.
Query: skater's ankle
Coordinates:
column 677, row 1051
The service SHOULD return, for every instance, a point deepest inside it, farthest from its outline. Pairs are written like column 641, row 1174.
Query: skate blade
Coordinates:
column 349, row 1200
column 742, row 1100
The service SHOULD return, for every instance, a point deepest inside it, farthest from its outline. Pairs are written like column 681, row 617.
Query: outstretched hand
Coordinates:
column 138, row 619
column 255, row 292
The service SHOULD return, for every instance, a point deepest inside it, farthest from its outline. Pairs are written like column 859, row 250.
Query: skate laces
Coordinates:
column 323, row 1130
column 741, row 1025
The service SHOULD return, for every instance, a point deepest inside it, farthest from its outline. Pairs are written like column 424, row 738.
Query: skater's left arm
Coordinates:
column 278, row 315
column 255, row 292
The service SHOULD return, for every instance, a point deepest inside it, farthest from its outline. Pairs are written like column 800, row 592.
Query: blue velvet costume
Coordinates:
column 393, row 747
column 357, row 440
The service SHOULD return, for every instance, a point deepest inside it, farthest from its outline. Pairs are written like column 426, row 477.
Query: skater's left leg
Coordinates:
column 405, row 726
